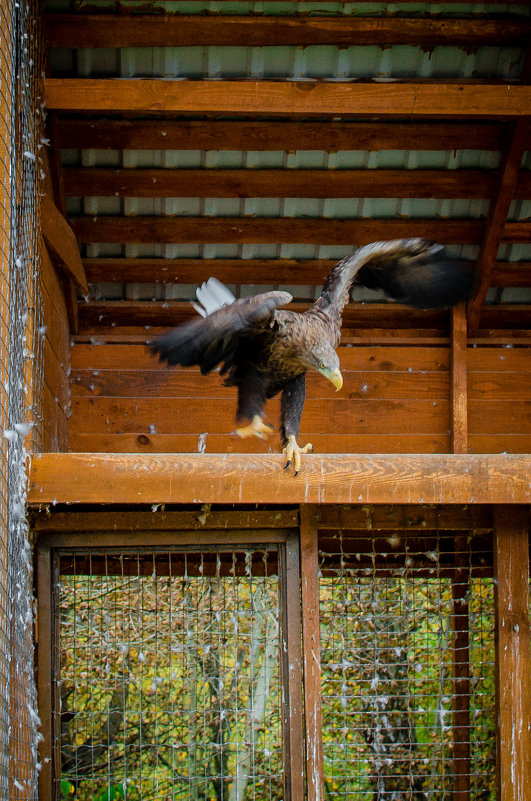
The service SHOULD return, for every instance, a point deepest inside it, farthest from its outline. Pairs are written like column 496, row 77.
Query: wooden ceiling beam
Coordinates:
column 190, row 271
column 496, row 225
column 96, row 314
column 293, row 98
column 262, row 135
column 301, row 272
column 213, row 478
column 253, row 230
column 171, row 30
column 101, row 314
column 231, row 183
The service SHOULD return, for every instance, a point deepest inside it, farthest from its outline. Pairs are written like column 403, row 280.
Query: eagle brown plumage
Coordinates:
column 263, row 349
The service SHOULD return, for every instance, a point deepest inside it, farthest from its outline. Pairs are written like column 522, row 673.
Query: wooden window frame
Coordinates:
column 51, row 546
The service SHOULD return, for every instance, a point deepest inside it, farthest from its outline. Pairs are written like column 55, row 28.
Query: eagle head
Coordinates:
column 323, row 358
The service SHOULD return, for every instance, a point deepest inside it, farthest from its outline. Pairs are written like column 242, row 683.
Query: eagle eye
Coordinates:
column 322, row 366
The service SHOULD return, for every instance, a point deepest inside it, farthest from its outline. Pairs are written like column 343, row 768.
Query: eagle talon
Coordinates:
column 293, row 451
column 256, row 428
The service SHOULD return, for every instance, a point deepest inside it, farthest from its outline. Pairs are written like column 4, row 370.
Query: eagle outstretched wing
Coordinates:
column 212, row 340
column 416, row 272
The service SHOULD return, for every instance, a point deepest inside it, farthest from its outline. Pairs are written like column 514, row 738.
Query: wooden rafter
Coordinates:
column 452, row 99
column 174, row 312
column 274, row 135
column 112, row 30
column 253, row 230
column 496, row 222
column 250, row 271
column 105, row 182
column 201, row 478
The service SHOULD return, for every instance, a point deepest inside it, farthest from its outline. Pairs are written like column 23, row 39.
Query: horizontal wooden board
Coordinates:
column 249, row 271
column 356, row 384
column 118, row 134
column 499, row 417
column 203, row 478
column 306, row 98
column 167, row 30
column 250, row 183
column 168, row 415
column 253, row 230
column 499, row 359
column 189, row 384
column 227, row 443
column 126, row 357
column 502, row 386
column 122, row 313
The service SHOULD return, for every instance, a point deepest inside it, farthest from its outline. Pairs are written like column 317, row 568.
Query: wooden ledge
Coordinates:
column 243, row 478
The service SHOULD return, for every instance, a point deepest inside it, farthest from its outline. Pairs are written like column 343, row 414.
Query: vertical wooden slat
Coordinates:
column 458, row 380
column 45, row 669
column 461, row 677
column 292, row 674
column 513, row 658
column 311, row 652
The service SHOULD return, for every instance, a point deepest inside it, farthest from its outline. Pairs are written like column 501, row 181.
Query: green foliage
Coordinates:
column 171, row 685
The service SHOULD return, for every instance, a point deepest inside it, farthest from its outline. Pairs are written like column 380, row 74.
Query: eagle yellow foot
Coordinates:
column 293, row 452
column 256, row 428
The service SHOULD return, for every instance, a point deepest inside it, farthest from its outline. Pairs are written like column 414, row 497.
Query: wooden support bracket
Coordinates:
column 61, row 240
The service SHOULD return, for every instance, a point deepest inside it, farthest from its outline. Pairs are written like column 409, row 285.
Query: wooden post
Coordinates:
column 293, row 734
column 458, row 381
column 45, row 657
column 513, row 659
column 461, row 677
column 311, row 652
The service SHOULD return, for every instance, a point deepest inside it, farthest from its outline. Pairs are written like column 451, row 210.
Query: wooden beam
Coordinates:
column 252, row 230
column 201, row 478
column 272, row 135
column 357, row 518
column 189, row 271
column 513, row 660
column 458, row 381
column 496, row 226
column 294, row 98
column 311, row 648
column 171, row 30
column 250, row 271
column 45, row 670
column 61, row 241
column 174, row 312
column 511, row 273
column 104, row 182
column 291, row 659
column 461, row 729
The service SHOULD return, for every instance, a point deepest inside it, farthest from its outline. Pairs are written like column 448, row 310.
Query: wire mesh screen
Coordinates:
column 169, row 667
column 20, row 371
column 407, row 628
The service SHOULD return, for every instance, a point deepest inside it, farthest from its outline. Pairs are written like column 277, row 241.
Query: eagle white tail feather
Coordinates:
column 212, row 295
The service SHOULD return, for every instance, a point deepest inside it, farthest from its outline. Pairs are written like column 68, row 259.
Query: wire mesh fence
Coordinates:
column 21, row 119
column 407, row 627
column 169, row 668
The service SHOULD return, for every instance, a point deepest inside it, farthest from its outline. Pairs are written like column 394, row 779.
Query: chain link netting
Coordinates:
column 169, row 675
column 407, row 626
column 21, row 334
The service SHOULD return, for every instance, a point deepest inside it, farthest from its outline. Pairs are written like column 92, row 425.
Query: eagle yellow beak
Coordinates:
column 334, row 376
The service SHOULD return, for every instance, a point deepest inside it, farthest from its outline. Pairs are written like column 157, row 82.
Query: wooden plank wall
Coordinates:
column 55, row 403
column 395, row 399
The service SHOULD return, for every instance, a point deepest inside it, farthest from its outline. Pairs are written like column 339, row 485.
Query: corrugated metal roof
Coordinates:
column 326, row 62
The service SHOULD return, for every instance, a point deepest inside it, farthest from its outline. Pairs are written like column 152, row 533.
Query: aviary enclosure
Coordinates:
column 180, row 618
